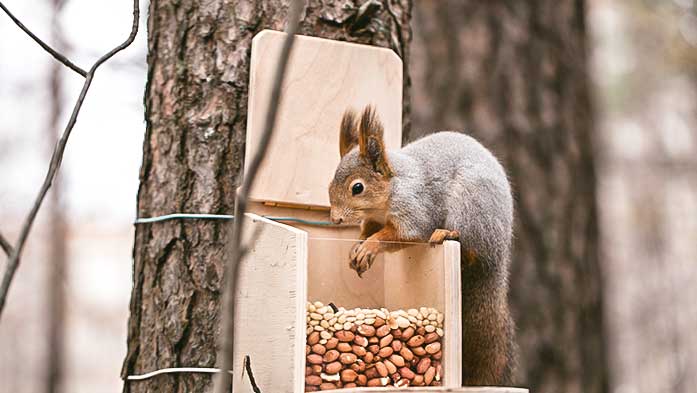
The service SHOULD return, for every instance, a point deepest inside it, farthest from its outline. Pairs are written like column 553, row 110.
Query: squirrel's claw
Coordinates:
column 362, row 256
column 441, row 235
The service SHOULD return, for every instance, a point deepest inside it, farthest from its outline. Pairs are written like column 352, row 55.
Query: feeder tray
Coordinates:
column 289, row 265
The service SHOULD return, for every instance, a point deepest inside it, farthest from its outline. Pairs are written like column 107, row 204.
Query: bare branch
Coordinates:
column 58, row 56
column 56, row 160
column 6, row 246
column 226, row 339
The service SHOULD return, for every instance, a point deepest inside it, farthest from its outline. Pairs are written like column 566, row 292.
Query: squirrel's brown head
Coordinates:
column 361, row 185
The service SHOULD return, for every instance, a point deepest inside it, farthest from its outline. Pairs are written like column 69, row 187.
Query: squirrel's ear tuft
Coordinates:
column 348, row 134
column 370, row 141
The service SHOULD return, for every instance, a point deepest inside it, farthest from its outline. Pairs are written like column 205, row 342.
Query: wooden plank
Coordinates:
column 324, row 78
column 452, row 341
column 484, row 389
column 329, row 277
column 270, row 308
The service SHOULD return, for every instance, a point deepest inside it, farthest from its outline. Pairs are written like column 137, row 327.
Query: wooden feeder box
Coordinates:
column 290, row 264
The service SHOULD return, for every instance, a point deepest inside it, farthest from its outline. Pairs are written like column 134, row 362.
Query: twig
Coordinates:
column 6, row 246
column 56, row 160
column 248, row 368
column 44, row 45
column 225, row 348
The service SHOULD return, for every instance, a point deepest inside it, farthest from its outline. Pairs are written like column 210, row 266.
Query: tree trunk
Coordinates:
column 196, row 107
column 513, row 74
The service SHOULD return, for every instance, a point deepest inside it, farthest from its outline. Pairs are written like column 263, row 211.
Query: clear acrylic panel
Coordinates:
column 403, row 295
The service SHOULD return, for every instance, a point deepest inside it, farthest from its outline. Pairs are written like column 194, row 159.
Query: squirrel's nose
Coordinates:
column 336, row 219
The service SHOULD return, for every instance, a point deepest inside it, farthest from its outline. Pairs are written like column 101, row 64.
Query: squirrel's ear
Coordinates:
column 348, row 134
column 370, row 142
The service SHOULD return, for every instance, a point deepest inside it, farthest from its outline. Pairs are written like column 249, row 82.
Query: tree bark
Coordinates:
column 195, row 110
column 514, row 75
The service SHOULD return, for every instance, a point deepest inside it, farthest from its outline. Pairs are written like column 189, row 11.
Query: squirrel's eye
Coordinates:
column 357, row 188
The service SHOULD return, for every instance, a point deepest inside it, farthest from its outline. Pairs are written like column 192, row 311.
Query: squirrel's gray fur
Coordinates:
column 449, row 180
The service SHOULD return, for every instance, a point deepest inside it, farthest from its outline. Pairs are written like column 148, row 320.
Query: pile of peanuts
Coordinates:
column 372, row 347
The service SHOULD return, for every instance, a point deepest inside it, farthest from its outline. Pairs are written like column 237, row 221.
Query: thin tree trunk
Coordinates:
column 196, row 105
column 57, row 248
column 513, row 74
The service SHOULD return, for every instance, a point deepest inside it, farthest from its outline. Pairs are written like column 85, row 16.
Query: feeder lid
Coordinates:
column 323, row 79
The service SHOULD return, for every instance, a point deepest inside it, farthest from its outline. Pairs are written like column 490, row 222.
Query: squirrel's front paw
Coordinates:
column 363, row 255
column 441, row 235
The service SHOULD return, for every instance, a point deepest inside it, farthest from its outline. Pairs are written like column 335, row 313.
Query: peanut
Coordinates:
column 348, row 375
column 405, row 372
column 397, row 360
column 371, row 373
column 314, row 358
column 381, row 369
column 319, row 349
column 347, row 358
column 361, row 380
column 433, row 348
column 330, row 356
column 419, row 351
column 402, row 383
column 401, row 322
column 366, row 330
column 386, row 340
column 423, row 365
column 407, row 354
column 430, row 337
column 332, row 343
column 313, row 338
column 332, row 368
column 416, row 341
column 429, row 374
column 383, row 331
column 358, row 350
column 391, row 368
column 385, row 352
column 344, row 336
column 408, row 333
column 360, row 340
column 372, row 347
column 313, row 380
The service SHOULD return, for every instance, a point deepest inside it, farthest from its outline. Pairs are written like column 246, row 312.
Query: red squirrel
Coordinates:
column 443, row 186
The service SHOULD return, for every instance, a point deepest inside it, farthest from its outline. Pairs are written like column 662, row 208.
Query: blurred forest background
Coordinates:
column 640, row 59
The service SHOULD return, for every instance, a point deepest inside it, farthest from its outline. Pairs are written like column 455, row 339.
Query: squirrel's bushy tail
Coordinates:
column 489, row 352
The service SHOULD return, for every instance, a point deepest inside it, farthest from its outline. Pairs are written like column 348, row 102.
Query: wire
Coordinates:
column 175, row 216
column 174, row 370
column 196, row 216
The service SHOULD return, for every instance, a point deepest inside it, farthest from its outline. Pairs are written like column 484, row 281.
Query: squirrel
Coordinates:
column 445, row 186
